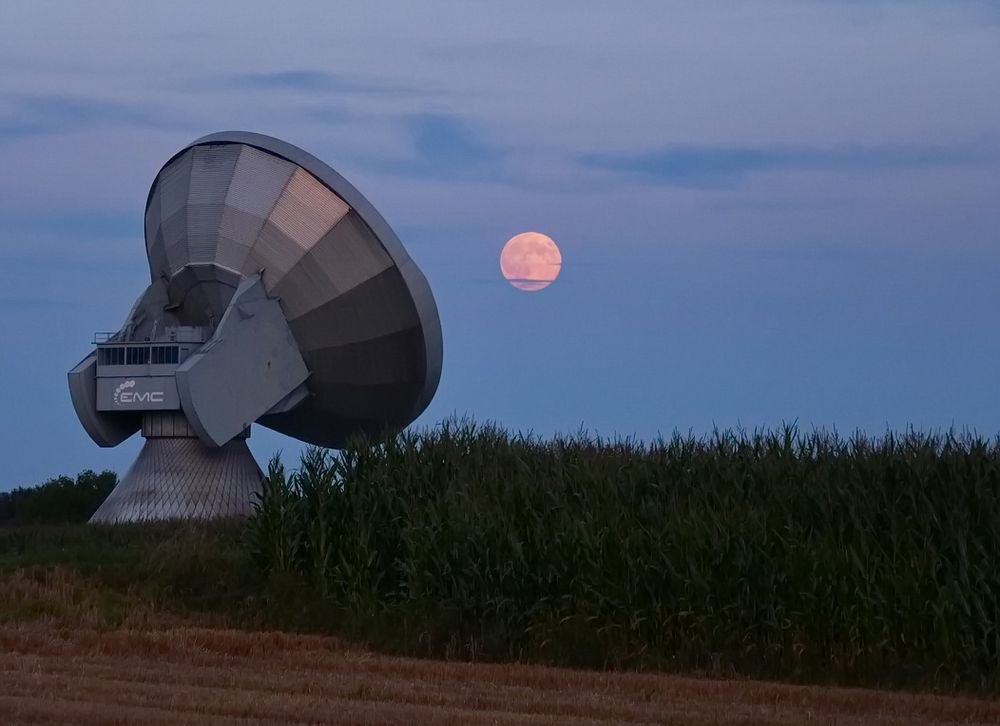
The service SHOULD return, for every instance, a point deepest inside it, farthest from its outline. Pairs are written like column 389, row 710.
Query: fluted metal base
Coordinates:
column 181, row 478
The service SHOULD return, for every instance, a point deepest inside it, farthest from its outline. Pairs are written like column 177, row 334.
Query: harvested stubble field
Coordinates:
column 50, row 674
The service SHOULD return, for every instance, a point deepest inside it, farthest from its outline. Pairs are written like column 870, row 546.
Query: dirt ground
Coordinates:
column 188, row 675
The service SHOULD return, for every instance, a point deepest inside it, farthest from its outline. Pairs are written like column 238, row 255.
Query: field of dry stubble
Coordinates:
column 50, row 674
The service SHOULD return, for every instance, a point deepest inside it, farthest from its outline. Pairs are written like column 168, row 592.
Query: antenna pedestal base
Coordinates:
column 176, row 476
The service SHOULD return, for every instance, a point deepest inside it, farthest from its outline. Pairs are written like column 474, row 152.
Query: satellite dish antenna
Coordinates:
column 278, row 295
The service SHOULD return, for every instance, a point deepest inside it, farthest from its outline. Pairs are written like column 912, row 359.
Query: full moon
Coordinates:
column 530, row 261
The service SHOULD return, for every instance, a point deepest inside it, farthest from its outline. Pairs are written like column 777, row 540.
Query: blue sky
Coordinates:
column 767, row 211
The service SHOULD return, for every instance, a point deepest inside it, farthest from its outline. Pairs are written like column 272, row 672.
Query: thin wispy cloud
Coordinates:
column 689, row 165
column 447, row 143
column 33, row 115
column 443, row 146
column 327, row 113
column 11, row 304
column 500, row 51
column 95, row 225
column 312, row 81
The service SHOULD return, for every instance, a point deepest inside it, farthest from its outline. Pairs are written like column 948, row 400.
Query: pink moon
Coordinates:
column 530, row 261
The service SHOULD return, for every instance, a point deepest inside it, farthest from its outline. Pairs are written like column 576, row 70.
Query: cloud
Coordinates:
column 443, row 146
column 97, row 225
column 448, row 144
column 10, row 304
column 690, row 165
column 311, row 81
column 33, row 115
column 499, row 51
column 328, row 114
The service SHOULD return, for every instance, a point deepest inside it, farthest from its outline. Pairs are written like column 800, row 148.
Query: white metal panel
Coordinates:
column 379, row 307
column 212, row 170
column 307, row 210
column 258, row 180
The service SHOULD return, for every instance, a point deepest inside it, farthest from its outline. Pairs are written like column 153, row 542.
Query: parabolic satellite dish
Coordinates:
column 280, row 296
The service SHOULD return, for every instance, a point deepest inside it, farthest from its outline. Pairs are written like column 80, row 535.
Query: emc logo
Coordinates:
column 124, row 396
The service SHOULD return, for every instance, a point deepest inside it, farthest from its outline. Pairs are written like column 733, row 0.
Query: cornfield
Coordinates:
column 783, row 553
